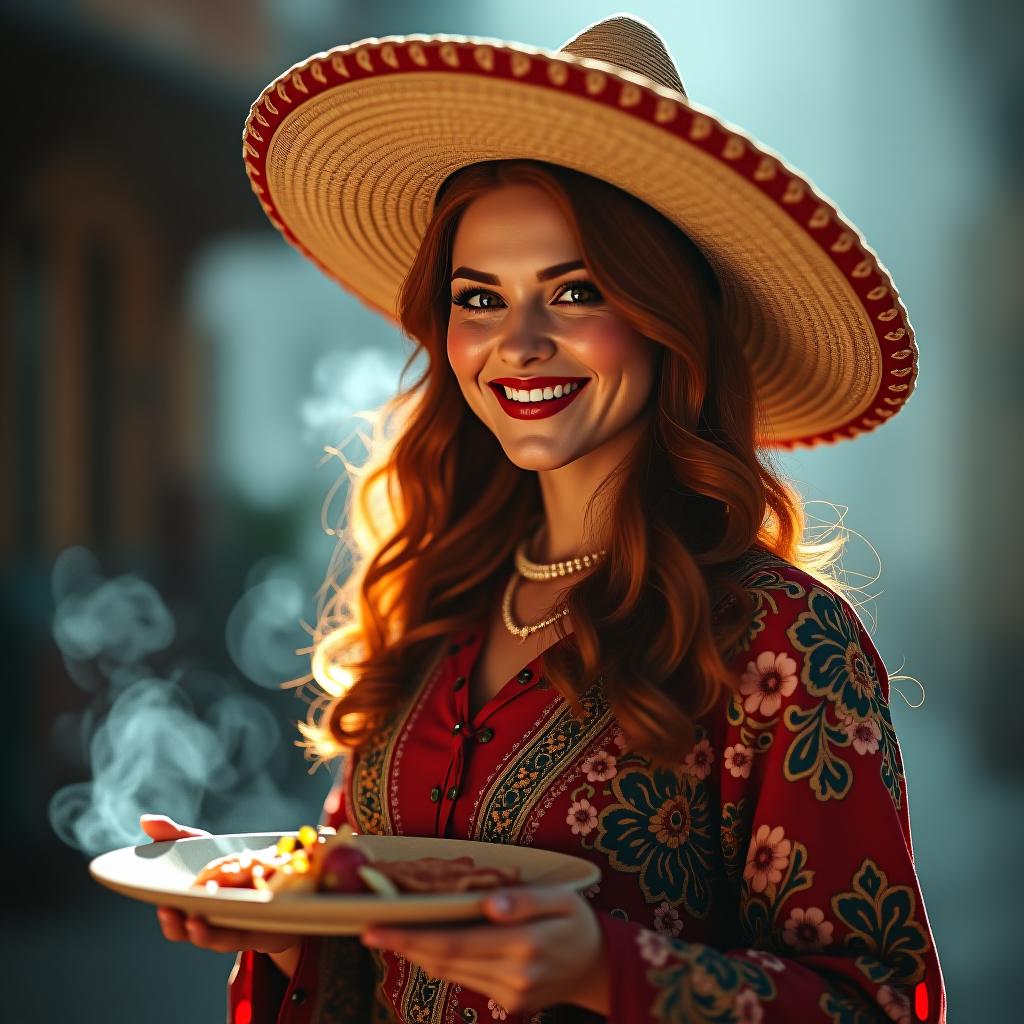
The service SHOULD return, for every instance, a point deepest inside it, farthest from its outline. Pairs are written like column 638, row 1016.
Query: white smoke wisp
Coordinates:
column 166, row 738
column 347, row 382
column 259, row 629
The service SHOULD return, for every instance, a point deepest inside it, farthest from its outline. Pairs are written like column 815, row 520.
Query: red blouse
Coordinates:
column 768, row 877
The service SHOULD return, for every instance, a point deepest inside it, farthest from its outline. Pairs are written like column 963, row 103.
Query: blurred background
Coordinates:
column 172, row 372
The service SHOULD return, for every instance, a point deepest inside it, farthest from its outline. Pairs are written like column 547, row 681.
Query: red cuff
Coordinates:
column 259, row 992
column 629, row 996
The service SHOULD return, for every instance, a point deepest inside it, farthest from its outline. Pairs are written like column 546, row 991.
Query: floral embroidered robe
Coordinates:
column 769, row 877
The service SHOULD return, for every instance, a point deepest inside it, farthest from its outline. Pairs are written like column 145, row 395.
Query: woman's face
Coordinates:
column 526, row 317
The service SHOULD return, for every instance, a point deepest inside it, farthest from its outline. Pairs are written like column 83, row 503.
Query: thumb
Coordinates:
column 159, row 827
column 524, row 904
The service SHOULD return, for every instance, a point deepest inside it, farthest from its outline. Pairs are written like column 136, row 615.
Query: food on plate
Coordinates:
column 288, row 864
column 335, row 863
column 339, row 868
column 444, row 874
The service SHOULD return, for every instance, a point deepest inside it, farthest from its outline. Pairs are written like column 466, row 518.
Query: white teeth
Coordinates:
column 540, row 394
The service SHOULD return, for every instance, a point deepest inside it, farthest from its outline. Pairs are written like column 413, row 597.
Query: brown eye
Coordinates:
column 581, row 293
column 465, row 297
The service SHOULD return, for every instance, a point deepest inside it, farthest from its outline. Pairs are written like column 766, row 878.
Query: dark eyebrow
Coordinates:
column 542, row 275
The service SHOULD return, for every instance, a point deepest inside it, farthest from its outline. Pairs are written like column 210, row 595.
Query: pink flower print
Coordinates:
column 895, row 1003
column 666, row 919
column 767, row 681
column 498, row 1012
column 599, row 767
column 654, row 947
column 807, row 930
column 620, row 738
column 592, row 890
column 768, row 857
column 699, row 760
column 768, row 960
column 582, row 817
column 738, row 759
column 864, row 733
column 748, row 1007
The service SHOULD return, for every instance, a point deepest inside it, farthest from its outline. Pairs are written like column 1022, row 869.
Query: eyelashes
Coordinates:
column 463, row 295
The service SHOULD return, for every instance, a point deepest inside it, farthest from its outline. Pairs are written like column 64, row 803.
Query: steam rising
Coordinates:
column 166, row 738
column 261, row 629
column 346, row 382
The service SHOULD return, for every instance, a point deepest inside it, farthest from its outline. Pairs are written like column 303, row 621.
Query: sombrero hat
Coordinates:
column 347, row 149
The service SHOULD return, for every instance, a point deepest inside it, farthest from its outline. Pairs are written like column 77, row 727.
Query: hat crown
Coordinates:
column 629, row 43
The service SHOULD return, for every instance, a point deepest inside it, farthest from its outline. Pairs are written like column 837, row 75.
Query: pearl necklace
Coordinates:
column 538, row 571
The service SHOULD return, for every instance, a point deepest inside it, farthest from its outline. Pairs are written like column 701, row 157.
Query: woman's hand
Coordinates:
column 177, row 927
column 543, row 947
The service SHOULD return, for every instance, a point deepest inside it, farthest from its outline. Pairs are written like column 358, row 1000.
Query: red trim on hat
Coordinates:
column 819, row 218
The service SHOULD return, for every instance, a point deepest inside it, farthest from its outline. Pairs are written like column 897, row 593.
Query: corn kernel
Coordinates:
column 286, row 844
column 307, row 836
column 300, row 862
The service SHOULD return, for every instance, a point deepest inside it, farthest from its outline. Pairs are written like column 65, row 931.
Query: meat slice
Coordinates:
column 445, row 874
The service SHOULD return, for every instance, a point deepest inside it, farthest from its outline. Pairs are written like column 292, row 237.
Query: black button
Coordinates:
column 485, row 735
column 525, row 676
column 470, row 1015
column 435, row 794
column 456, row 728
column 299, row 996
column 460, row 682
column 543, row 683
column 453, row 792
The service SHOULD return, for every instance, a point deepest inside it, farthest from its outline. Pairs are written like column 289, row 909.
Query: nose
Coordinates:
column 525, row 335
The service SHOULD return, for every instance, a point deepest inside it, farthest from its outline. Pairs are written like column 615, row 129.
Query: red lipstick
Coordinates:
column 535, row 410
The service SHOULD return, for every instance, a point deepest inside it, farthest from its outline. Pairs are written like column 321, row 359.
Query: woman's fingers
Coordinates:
column 159, row 828
column 172, row 924
column 177, row 927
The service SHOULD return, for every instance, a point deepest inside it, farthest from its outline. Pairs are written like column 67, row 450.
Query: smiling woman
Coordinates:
column 541, row 325
column 582, row 615
column 646, row 311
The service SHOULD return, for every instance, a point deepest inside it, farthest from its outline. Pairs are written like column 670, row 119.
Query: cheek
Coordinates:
column 612, row 349
column 467, row 352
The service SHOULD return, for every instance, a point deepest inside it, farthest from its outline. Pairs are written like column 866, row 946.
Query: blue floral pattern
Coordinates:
column 660, row 828
column 835, row 667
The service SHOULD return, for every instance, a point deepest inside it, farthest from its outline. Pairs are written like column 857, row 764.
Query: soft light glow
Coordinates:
column 332, row 677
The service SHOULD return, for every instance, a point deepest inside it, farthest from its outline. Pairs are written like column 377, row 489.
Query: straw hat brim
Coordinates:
column 347, row 149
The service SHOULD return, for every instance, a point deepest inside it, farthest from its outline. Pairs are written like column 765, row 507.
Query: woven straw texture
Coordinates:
column 347, row 150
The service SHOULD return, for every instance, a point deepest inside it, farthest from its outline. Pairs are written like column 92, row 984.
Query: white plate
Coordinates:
column 162, row 874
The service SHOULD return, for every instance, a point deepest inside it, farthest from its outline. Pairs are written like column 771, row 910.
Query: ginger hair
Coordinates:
column 696, row 494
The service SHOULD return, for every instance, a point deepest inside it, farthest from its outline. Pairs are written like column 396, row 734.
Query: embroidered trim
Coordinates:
column 402, row 733
column 549, row 709
column 424, row 998
column 372, row 768
column 345, row 991
column 522, row 785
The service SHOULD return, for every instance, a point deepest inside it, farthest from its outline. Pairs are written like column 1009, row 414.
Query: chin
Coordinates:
column 540, row 461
